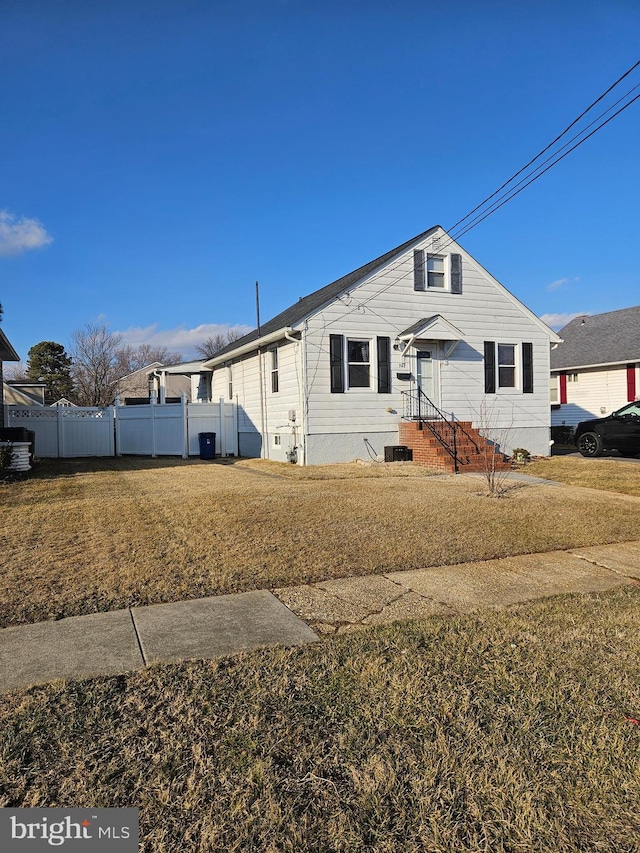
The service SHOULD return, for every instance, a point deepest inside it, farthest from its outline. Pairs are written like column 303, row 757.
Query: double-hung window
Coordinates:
column 358, row 363
column 506, row 366
column 274, row 371
column 435, row 271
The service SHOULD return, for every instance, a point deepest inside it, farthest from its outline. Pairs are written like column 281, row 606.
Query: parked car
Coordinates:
column 618, row 431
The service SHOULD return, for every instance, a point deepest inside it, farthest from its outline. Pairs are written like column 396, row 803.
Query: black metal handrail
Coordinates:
column 427, row 413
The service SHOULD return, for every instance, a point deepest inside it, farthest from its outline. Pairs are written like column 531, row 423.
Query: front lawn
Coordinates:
column 508, row 732
column 87, row 536
column 607, row 474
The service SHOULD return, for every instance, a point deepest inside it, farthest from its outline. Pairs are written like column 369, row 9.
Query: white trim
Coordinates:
column 575, row 367
column 446, row 271
column 361, row 339
column 255, row 345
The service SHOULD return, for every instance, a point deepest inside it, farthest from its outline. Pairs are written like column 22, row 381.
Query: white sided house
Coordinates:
column 421, row 334
column 596, row 368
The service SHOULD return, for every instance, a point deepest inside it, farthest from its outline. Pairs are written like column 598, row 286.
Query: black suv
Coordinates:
column 618, row 431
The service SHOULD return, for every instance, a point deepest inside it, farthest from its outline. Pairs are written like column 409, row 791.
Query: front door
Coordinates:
column 426, row 374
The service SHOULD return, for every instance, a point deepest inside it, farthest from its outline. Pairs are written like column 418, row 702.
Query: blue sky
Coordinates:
column 156, row 158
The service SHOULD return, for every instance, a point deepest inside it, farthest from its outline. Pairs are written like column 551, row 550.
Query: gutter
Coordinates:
column 256, row 344
column 599, row 364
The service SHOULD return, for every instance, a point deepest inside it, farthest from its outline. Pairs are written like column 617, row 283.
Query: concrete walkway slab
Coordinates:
column 339, row 606
column 410, row 605
column 78, row 647
column 320, row 608
column 496, row 583
column 623, row 558
column 217, row 626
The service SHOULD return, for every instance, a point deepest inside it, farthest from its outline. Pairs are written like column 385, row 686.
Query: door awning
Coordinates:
column 436, row 328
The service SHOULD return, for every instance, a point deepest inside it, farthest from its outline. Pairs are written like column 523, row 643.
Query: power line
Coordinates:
column 514, row 192
column 554, row 163
column 550, row 145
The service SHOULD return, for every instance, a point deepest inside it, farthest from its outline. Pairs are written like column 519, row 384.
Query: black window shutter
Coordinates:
column 456, row 273
column 336, row 350
column 384, row 365
column 418, row 269
column 527, row 368
column 489, row 367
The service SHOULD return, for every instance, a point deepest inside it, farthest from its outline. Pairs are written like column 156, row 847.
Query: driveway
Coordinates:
column 607, row 454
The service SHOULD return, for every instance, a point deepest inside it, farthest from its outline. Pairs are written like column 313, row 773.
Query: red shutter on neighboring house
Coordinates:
column 631, row 383
column 563, row 387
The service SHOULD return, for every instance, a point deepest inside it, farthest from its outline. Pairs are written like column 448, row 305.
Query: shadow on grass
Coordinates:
column 51, row 469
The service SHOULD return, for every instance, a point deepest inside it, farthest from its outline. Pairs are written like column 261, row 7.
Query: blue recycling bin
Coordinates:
column 207, row 445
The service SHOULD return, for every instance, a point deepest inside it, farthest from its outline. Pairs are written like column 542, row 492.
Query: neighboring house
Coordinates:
column 7, row 353
column 136, row 387
column 596, row 368
column 24, row 393
column 63, row 402
column 189, row 376
column 332, row 377
column 167, row 383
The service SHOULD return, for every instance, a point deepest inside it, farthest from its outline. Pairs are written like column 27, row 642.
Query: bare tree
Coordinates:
column 498, row 431
column 16, row 372
column 131, row 358
column 95, row 364
column 214, row 343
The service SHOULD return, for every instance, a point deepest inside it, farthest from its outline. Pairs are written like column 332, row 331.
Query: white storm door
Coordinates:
column 427, row 374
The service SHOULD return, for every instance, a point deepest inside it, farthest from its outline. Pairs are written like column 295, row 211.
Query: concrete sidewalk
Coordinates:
column 124, row 640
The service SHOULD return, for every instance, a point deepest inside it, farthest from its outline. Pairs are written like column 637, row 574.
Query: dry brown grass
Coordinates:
column 500, row 731
column 608, row 474
column 337, row 471
column 81, row 537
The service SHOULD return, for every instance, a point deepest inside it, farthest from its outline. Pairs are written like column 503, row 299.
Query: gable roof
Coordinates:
column 143, row 371
column 307, row 304
column 592, row 339
column 436, row 328
column 7, row 352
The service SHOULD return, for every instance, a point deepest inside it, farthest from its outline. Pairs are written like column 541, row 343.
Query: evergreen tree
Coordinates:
column 49, row 363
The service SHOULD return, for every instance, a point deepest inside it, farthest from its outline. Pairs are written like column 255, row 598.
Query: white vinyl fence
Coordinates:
column 168, row 429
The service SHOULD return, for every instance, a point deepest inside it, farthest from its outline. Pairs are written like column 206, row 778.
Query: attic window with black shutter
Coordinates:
column 437, row 272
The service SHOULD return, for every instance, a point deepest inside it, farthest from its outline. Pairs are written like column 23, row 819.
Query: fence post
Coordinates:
column 60, row 430
column 185, row 426
column 152, row 415
column 116, row 416
column 222, row 441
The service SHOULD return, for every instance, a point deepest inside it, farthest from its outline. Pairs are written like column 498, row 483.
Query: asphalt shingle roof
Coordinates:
column 7, row 352
column 308, row 304
column 599, row 339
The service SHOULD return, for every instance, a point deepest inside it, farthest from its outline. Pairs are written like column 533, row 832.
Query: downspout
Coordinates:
column 302, row 457
column 264, row 451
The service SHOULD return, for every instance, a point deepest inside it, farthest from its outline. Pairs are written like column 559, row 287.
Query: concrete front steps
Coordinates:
column 428, row 451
